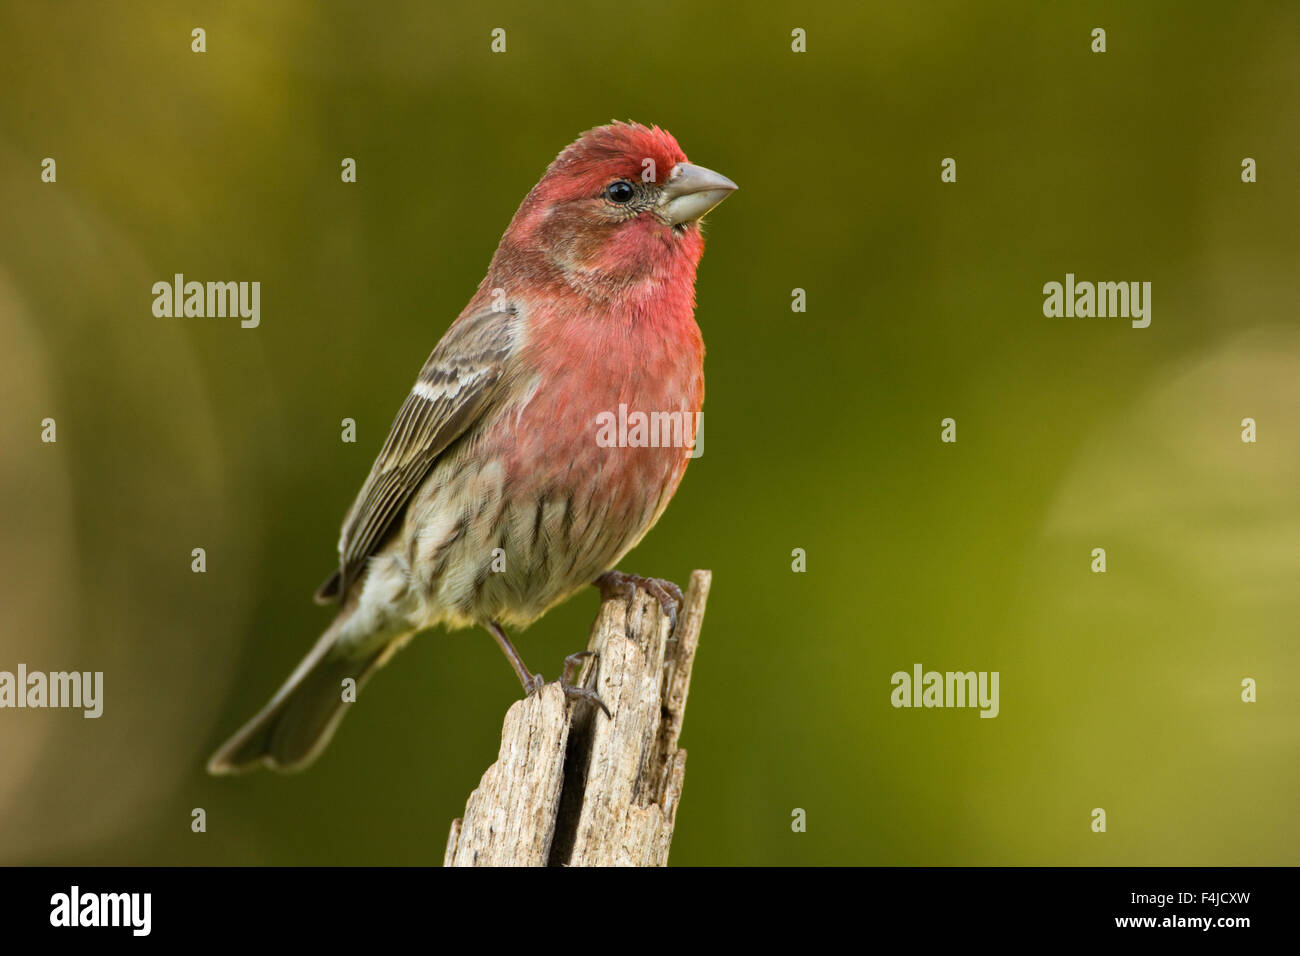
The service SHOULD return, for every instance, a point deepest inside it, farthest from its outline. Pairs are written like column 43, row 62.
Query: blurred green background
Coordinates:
column 1118, row 691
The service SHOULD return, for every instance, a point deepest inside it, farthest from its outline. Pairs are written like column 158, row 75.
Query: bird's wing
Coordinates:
column 457, row 384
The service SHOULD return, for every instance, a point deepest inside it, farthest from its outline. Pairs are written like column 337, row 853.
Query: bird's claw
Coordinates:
column 581, row 693
column 616, row 584
column 572, row 663
column 570, row 690
column 536, row 682
column 574, row 692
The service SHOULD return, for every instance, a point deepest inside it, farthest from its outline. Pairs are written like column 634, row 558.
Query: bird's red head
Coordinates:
column 621, row 204
column 627, row 151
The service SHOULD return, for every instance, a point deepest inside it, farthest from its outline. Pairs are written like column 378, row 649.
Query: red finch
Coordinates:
column 503, row 488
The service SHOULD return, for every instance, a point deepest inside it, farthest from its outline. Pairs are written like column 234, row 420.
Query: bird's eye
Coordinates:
column 620, row 192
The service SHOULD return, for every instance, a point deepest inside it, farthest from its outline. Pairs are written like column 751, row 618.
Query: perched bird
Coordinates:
column 492, row 499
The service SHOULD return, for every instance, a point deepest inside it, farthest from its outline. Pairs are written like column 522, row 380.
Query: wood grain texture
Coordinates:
column 573, row 787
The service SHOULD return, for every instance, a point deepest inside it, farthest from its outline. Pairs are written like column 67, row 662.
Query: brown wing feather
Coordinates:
column 457, row 384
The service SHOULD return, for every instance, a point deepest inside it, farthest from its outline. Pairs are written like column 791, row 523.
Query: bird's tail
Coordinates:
column 294, row 727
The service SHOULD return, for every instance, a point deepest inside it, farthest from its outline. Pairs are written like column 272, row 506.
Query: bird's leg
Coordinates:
column 616, row 584
column 533, row 682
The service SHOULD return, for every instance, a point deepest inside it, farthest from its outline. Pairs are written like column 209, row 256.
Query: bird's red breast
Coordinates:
column 610, row 323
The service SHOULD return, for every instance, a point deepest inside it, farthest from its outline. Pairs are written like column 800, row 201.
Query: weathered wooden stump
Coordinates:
column 571, row 787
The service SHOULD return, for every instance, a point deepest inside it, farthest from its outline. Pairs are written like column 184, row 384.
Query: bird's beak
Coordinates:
column 690, row 192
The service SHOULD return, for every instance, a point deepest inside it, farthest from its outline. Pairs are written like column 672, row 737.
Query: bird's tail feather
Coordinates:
column 294, row 727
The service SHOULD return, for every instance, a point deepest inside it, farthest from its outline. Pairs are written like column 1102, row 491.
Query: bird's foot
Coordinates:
column 533, row 684
column 572, row 690
column 616, row 584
